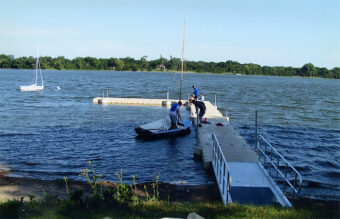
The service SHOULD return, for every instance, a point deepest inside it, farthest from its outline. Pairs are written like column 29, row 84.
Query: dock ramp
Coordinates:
column 244, row 175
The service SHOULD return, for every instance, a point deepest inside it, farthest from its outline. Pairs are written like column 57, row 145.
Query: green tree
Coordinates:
column 336, row 72
column 308, row 70
column 143, row 63
column 119, row 64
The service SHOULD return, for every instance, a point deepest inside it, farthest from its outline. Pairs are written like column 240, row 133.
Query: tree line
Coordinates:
column 163, row 64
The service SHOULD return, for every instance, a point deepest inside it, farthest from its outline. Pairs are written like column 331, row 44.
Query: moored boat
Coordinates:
column 35, row 86
column 159, row 129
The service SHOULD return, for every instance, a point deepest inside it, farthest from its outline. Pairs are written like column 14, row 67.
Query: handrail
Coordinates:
column 269, row 153
column 221, row 170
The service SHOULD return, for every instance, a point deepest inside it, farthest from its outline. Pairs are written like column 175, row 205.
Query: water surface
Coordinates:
column 52, row 133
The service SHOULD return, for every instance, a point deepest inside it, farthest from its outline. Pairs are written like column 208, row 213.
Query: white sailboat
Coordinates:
column 35, row 86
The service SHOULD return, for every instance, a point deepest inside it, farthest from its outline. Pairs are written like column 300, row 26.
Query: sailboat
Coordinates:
column 160, row 128
column 35, row 86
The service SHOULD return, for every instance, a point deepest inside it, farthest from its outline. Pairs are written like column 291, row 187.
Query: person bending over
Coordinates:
column 201, row 106
column 174, row 112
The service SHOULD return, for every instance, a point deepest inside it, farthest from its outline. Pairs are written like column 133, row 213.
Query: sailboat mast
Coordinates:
column 180, row 89
column 36, row 70
column 36, row 66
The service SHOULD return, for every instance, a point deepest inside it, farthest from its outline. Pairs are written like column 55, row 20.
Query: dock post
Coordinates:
column 256, row 133
column 215, row 100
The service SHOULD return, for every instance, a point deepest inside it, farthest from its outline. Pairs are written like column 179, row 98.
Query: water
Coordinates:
column 51, row 134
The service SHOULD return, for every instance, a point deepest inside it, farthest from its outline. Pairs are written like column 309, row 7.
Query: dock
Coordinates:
column 239, row 173
column 249, row 182
column 134, row 101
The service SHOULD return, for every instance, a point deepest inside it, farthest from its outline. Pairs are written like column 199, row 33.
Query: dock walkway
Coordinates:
column 234, row 147
column 250, row 184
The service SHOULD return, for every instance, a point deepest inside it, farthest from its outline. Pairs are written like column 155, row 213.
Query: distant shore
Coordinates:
column 170, row 71
column 163, row 64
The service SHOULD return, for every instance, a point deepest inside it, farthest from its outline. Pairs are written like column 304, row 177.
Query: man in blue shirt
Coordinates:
column 195, row 92
column 174, row 112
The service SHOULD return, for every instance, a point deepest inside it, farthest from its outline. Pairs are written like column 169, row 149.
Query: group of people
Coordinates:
column 197, row 100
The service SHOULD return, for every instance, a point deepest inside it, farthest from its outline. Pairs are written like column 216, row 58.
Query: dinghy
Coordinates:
column 160, row 129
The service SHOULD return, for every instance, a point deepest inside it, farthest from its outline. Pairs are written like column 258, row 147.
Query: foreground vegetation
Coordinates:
column 123, row 201
column 163, row 64
column 51, row 207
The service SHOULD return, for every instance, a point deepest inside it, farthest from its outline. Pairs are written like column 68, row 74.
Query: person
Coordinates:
column 174, row 112
column 200, row 105
column 201, row 98
column 195, row 92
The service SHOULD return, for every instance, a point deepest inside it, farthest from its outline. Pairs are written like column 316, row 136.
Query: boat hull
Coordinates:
column 163, row 133
column 32, row 87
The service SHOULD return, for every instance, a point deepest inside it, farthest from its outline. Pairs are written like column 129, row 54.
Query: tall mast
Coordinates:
column 180, row 89
column 36, row 67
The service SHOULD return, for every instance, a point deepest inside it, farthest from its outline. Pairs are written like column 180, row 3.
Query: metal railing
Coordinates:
column 221, row 170
column 278, row 166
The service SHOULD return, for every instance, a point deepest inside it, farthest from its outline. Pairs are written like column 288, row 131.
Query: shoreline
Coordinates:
column 17, row 187
column 185, row 72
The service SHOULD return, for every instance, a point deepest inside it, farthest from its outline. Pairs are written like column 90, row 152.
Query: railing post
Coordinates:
column 215, row 100
column 167, row 95
column 278, row 166
column 294, row 186
column 256, row 134
column 227, row 186
column 284, row 185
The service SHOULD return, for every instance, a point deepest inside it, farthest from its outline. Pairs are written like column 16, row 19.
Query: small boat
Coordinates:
column 35, row 86
column 159, row 129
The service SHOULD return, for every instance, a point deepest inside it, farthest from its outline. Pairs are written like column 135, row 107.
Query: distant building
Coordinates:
column 162, row 67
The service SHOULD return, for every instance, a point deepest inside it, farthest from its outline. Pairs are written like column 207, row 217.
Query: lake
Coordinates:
column 52, row 133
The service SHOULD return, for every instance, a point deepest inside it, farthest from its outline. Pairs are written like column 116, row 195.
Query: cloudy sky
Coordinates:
column 265, row 32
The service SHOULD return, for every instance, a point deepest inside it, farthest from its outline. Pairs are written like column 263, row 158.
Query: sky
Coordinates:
column 265, row 32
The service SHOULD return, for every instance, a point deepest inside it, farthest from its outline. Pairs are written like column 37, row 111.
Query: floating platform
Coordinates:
column 135, row 101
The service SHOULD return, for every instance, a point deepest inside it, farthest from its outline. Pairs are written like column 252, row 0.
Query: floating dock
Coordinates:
column 240, row 176
column 134, row 101
column 250, row 183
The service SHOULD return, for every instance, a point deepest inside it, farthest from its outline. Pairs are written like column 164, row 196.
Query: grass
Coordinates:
column 122, row 201
column 55, row 208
